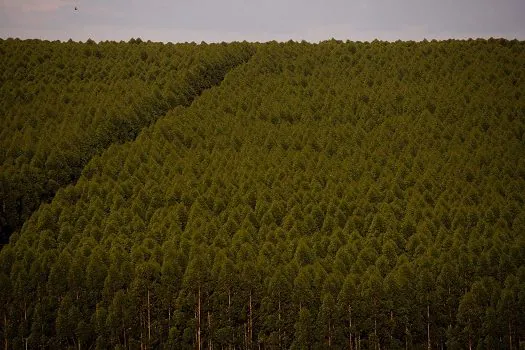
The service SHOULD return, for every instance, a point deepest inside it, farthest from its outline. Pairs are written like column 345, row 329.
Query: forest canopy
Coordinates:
column 63, row 103
column 332, row 195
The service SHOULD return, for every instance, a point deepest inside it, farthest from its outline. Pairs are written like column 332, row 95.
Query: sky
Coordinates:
column 263, row 20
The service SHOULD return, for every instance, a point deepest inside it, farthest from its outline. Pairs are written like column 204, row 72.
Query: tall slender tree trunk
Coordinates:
column 141, row 331
column 375, row 324
column 169, row 323
column 279, row 330
column 6, row 340
column 199, row 319
column 230, row 316
column 329, row 333
column 392, row 324
column 469, row 338
column 428, row 327
column 250, row 322
column 375, row 328
column 210, row 345
column 149, row 322
column 350, row 326
column 125, row 344
column 510, row 336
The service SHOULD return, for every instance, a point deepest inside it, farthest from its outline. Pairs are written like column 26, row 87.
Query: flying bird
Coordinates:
column 76, row 8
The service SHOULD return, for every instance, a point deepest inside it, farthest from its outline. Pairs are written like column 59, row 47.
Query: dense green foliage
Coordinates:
column 344, row 195
column 62, row 103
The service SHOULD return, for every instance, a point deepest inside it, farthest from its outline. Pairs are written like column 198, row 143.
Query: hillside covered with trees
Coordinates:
column 62, row 103
column 334, row 195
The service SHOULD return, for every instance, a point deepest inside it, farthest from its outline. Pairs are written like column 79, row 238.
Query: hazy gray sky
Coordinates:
column 263, row 20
